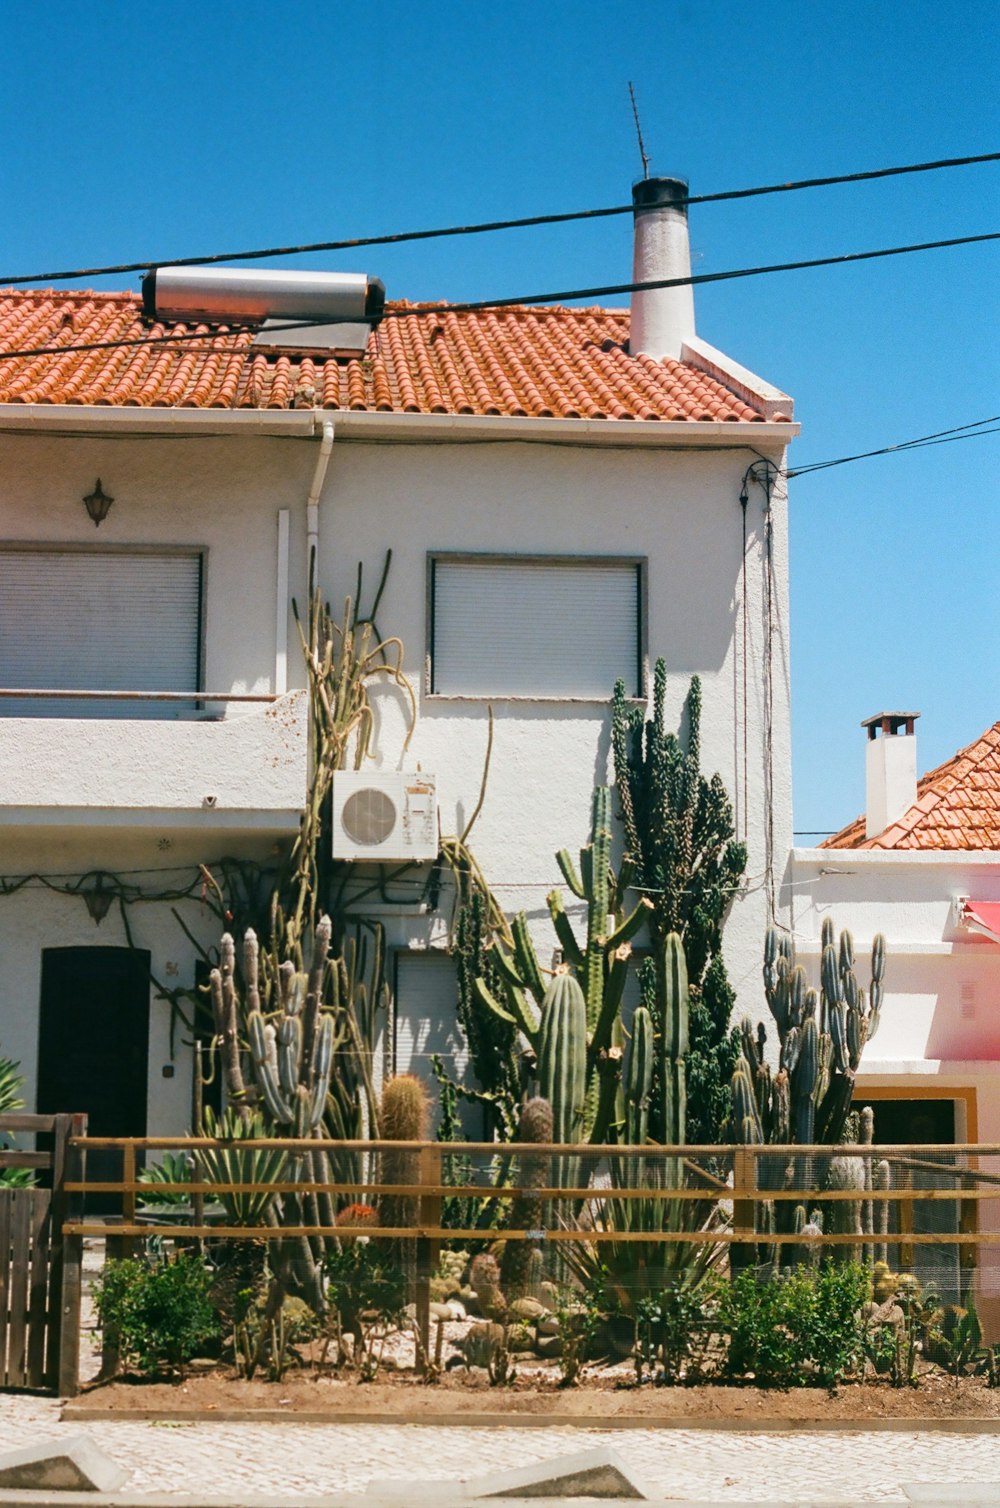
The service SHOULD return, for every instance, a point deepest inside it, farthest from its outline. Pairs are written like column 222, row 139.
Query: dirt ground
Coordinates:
column 455, row 1396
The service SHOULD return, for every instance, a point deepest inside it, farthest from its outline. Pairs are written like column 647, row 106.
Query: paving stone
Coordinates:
column 725, row 1467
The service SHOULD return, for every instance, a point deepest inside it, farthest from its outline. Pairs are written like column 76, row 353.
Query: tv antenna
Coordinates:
column 638, row 131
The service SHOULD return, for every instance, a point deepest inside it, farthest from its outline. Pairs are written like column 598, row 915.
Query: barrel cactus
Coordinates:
column 535, row 1126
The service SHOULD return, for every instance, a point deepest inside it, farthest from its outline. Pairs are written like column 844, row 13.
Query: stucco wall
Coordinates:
column 679, row 509
column 942, row 981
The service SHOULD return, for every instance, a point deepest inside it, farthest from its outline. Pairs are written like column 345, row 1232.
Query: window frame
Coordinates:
column 637, row 563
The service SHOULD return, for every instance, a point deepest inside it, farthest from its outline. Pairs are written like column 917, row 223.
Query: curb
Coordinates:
column 735, row 1424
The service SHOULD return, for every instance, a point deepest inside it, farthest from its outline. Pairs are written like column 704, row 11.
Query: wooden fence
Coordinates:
column 738, row 1197
column 40, row 1268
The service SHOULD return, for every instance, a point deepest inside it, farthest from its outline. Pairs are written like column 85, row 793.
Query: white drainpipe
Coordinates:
column 312, row 502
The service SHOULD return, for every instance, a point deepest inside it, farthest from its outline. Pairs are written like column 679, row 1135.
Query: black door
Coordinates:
column 93, row 1046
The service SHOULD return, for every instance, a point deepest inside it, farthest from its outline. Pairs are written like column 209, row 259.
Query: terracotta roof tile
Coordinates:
column 544, row 362
column 957, row 806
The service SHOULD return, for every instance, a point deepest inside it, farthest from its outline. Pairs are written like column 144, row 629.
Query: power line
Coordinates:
column 970, row 431
column 437, row 311
column 524, row 222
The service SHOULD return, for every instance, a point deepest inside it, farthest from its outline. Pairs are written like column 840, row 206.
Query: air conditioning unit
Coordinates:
column 384, row 815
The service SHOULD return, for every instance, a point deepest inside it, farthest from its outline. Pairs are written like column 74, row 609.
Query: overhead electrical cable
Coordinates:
column 970, row 431
column 437, row 310
column 488, row 226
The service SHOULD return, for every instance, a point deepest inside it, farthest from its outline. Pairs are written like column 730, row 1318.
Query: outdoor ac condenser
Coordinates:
column 384, row 815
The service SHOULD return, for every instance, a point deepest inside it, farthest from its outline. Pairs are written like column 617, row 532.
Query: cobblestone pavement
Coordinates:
column 308, row 1460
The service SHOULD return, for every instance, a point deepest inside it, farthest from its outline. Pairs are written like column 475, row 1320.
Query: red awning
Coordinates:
column 984, row 917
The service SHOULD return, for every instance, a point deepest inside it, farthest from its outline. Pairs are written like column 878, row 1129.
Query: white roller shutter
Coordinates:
column 548, row 628
column 94, row 620
column 427, row 1023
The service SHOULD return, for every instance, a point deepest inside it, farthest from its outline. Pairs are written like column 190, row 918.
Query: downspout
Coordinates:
column 312, row 502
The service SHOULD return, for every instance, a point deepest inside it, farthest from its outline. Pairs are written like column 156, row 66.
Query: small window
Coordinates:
column 562, row 627
column 99, row 620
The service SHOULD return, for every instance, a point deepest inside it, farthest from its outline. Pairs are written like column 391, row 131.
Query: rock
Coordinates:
column 549, row 1325
column 520, row 1338
column 548, row 1346
column 527, row 1309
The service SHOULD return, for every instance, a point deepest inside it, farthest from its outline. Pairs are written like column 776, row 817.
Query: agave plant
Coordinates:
column 616, row 1276
column 10, row 1101
column 235, row 1164
column 171, row 1169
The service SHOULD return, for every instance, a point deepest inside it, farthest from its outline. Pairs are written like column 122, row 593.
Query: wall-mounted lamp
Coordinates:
column 97, row 504
column 98, row 900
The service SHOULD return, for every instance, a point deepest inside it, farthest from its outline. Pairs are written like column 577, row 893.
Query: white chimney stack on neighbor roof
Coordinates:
column 890, row 769
column 662, row 318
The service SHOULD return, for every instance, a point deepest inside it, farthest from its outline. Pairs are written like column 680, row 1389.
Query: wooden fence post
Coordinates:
column 744, row 1209
column 429, row 1218
column 69, row 1207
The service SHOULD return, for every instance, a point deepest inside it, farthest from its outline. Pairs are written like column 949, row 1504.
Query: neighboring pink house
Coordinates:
column 922, row 865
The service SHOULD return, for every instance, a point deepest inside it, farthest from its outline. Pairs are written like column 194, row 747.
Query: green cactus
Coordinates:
column 821, row 1036
column 599, row 968
column 639, row 1078
column 562, row 1056
column 404, row 1115
column 535, row 1125
column 674, row 1002
column 680, row 844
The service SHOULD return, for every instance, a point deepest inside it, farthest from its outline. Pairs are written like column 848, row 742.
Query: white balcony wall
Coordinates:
column 246, row 769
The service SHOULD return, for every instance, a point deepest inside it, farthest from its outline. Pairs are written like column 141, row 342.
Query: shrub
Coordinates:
column 804, row 1326
column 159, row 1316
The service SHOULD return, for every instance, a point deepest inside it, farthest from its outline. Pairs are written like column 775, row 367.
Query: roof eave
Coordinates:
column 79, row 418
column 617, row 432
column 872, row 858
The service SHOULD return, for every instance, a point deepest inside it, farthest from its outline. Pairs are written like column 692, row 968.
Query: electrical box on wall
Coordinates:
column 384, row 815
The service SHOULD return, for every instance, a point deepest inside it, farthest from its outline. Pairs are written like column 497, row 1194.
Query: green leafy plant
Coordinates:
column 802, row 1326
column 11, row 1082
column 674, row 1330
column 366, row 1293
column 160, row 1315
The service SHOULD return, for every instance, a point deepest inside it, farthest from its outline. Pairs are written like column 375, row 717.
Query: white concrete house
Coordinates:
column 567, row 493
column 922, row 866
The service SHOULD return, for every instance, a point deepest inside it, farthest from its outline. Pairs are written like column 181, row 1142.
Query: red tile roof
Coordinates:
column 957, row 806
column 539, row 362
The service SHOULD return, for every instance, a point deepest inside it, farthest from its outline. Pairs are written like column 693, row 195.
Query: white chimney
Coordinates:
column 890, row 769
column 662, row 318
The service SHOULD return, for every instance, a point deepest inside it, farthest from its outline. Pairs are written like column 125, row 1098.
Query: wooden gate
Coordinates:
column 40, row 1271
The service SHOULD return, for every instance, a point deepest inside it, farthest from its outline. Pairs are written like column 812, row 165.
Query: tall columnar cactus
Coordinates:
column 404, row 1115
column 293, row 1048
column 535, row 1126
column 599, row 967
column 674, row 1039
column 639, row 1078
column 562, row 1063
column 680, row 843
column 822, row 1035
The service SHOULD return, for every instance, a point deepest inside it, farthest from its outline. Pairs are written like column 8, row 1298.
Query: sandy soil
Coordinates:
column 456, row 1396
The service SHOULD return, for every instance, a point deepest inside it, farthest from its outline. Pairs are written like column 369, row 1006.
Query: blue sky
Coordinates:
column 142, row 133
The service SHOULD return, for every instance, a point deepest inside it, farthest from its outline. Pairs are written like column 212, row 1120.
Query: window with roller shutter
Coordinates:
column 99, row 620
column 543, row 627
